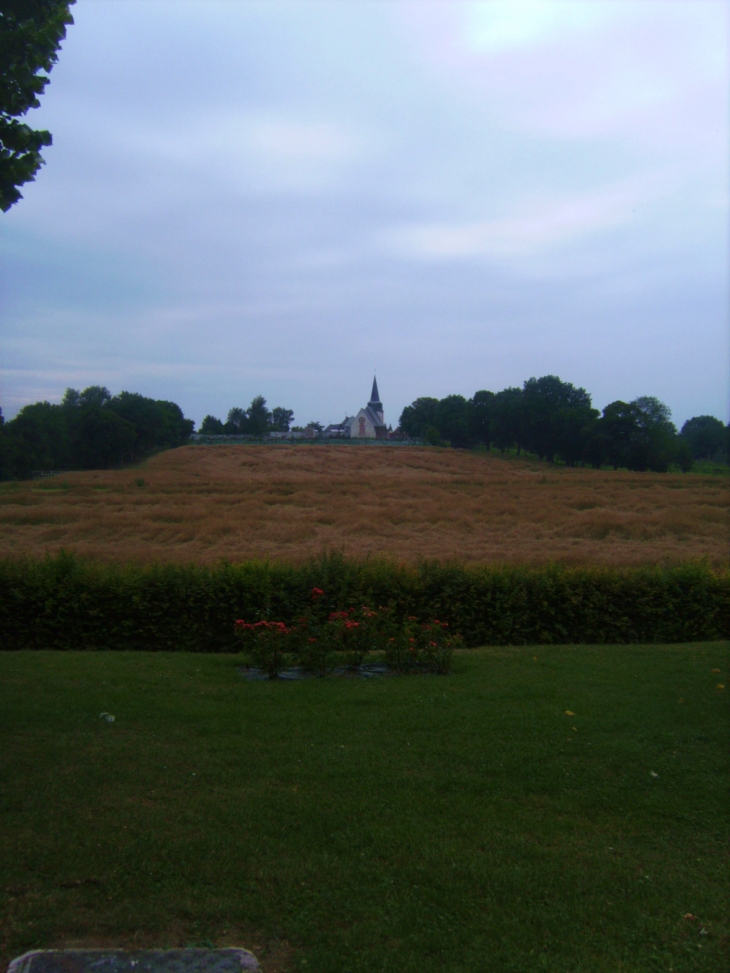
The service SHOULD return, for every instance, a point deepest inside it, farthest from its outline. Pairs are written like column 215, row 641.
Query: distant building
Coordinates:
column 369, row 423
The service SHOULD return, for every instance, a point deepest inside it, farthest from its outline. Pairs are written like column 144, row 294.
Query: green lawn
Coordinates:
column 460, row 823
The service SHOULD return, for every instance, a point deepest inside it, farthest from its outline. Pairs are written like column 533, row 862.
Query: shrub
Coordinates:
column 347, row 638
column 266, row 643
column 64, row 602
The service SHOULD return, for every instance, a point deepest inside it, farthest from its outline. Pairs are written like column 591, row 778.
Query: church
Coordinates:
column 369, row 422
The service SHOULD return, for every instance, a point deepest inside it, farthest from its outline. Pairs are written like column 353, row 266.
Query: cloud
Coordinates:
column 654, row 73
column 297, row 140
column 536, row 225
column 507, row 24
column 236, row 189
column 232, row 143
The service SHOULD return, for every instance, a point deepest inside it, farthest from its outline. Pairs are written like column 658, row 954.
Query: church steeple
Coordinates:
column 375, row 404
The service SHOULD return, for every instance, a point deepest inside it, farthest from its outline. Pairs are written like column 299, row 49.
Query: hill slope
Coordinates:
column 290, row 502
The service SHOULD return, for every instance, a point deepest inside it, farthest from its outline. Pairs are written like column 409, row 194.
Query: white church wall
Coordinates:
column 362, row 427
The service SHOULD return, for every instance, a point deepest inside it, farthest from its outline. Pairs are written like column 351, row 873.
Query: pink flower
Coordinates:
column 316, row 593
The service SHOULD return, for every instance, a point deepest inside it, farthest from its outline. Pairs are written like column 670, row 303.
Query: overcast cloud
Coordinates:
column 279, row 198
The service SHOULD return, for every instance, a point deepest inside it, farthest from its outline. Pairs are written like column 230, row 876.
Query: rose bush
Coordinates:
column 320, row 642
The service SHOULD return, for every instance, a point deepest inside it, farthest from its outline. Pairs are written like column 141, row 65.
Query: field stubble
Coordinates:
column 292, row 502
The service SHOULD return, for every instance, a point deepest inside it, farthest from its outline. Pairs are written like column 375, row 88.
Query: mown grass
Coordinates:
column 461, row 823
column 201, row 504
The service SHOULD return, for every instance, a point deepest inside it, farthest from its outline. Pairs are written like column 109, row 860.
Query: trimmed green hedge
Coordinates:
column 66, row 603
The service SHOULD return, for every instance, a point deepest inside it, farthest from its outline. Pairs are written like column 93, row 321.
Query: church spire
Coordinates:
column 375, row 402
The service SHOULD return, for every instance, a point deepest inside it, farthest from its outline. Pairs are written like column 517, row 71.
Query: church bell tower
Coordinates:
column 375, row 404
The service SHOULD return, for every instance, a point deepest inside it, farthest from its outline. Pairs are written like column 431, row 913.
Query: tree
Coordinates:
column 236, row 422
column 453, row 421
column 7, row 457
column 31, row 32
column 553, row 409
column 38, row 439
column 175, row 428
column 595, row 448
column 638, row 435
column 683, row 455
column 281, row 419
column 572, row 427
column 90, row 429
column 420, row 416
column 481, row 417
column 612, row 435
column 259, row 417
column 508, row 420
column 653, row 440
column 257, row 420
column 705, row 436
column 95, row 395
column 71, row 399
column 158, row 424
column 212, row 426
column 102, row 438
column 146, row 417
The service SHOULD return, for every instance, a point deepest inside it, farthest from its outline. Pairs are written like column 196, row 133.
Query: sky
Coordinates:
column 270, row 198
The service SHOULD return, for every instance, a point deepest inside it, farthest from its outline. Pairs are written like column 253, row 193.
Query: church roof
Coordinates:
column 372, row 414
column 369, row 413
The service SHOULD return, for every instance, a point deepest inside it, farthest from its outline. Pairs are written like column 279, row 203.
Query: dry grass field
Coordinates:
column 290, row 502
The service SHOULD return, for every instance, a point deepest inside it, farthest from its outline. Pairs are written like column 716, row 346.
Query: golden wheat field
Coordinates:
column 203, row 503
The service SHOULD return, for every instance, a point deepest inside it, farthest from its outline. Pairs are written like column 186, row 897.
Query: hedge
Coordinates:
column 64, row 602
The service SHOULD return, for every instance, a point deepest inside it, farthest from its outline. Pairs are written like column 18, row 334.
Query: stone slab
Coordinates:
column 135, row 961
column 365, row 671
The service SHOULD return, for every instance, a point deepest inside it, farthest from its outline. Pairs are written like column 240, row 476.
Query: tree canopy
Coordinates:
column 705, row 435
column 92, row 429
column 257, row 421
column 554, row 420
column 31, row 32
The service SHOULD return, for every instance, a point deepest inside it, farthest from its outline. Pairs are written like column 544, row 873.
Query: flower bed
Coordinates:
column 321, row 643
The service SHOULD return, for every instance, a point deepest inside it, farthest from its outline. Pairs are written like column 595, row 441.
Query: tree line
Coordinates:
column 258, row 420
column 92, row 429
column 554, row 420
